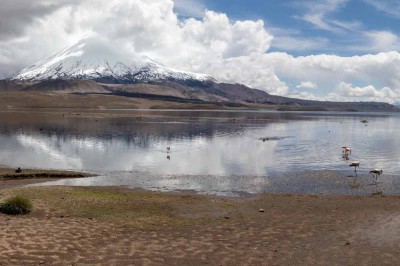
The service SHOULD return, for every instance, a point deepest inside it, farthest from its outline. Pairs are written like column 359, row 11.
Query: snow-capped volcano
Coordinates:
column 92, row 59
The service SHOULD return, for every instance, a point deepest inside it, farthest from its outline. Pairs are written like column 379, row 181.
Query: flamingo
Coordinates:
column 375, row 173
column 346, row 149
column 345, row 156
column 355, row 164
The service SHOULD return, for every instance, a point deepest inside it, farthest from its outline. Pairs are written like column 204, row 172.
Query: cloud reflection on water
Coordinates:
column 203, row 149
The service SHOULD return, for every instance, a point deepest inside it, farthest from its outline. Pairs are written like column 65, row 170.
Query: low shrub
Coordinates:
column 17, row 205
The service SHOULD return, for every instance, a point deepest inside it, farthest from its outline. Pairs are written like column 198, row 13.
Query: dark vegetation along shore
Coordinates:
column 10, row 173
column 10, row 177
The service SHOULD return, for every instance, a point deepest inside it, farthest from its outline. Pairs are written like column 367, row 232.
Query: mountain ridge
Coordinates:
column 93, row 67
column 216, row 94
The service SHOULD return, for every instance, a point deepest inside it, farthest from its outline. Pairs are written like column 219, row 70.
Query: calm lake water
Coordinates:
column 209, row 150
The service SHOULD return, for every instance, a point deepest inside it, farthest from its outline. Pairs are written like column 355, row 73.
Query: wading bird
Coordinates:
column 355, row 164
column 346, row 149
column 375, row 173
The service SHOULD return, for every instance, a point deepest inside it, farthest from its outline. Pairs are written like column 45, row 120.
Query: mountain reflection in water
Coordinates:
column 202, row 143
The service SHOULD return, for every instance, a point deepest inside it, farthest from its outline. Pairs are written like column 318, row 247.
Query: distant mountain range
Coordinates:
column 91, row 67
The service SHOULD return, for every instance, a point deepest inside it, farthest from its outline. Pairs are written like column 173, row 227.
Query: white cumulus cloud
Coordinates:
column 369, row 93
column 307, row 85
column 382, row 69
column 206, row 42
column 382, row 40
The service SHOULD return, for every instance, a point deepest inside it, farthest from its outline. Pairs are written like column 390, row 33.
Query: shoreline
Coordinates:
column 124, row 225
column 317, row 182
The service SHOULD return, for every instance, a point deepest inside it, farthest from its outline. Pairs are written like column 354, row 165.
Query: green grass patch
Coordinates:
column 136, row 208
column 17, row 205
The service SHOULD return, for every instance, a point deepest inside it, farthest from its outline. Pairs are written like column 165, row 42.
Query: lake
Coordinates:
column 210, row 151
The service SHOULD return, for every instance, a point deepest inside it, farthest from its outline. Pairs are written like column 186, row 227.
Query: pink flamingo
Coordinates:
column 355, row 164
column 375, row 173
column 346, row 149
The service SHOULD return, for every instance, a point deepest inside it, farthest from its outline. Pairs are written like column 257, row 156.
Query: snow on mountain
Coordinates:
column 92, row 59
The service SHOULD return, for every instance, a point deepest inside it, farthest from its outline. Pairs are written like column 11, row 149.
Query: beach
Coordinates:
column 114, row 226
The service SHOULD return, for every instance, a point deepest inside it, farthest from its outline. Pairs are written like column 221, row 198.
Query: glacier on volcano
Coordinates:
column 93, row 59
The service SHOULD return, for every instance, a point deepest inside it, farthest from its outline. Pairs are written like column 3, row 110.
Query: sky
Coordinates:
column 338, row 50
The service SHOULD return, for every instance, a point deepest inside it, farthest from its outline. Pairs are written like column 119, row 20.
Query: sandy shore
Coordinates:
column 114, row 226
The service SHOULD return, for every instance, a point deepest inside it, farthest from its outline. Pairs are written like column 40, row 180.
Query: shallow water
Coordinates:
column 131, row 148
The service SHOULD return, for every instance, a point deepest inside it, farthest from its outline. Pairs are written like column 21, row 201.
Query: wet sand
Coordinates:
column 114, row 226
